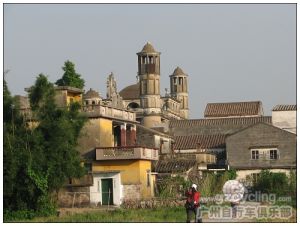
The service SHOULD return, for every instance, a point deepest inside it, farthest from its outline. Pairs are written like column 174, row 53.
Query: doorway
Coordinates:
column 107, row 191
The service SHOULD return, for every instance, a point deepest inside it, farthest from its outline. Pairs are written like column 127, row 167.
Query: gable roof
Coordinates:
column 174, row 165
column 199, row 141
column 261, row 124
column 285, row 107
column 252, row 108
column 219, row 121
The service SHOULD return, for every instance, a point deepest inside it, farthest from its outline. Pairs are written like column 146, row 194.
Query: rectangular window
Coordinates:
column 148, row 178
column 254, row 154
column 273, row 154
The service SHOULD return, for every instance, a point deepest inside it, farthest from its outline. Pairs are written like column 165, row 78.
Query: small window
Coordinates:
column 273, row 154
column 71, row 100
column 148, row 178
column 254, row 154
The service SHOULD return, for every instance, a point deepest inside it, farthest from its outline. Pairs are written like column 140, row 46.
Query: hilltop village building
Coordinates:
column 136, row 137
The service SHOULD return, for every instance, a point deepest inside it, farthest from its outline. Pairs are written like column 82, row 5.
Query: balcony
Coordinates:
column 123, row 153
column 110, row 112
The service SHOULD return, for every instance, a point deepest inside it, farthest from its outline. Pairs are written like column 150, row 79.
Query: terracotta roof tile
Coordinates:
column 233, row 109
column 282, row 107
column 219, row 121
column 200, row 141
column 169, row 166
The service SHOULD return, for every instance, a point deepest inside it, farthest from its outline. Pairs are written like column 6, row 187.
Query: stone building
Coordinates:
column 144, row 97
column 207, row 135
column 261, row 146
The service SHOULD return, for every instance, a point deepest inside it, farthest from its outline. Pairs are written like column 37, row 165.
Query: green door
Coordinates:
column 107, row 191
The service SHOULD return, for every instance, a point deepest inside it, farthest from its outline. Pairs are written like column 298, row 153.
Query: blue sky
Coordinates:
column 231, row 52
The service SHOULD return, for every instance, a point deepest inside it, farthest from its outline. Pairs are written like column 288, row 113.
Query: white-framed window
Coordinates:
column 254, row 154
column 264, row 154
column 274, row 154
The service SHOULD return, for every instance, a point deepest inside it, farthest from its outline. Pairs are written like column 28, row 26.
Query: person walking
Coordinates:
column 192, row 204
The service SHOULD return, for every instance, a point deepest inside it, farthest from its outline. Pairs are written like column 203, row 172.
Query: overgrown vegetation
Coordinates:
column 70, row 77
column 39, row 156
column 171, row 187
column 209, row 185
column 212, row 183
column 279, row 184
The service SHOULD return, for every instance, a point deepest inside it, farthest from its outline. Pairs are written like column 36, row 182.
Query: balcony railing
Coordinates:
column 120, row 153
column 106, row 111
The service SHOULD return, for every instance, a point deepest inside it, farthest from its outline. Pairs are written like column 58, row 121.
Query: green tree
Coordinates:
column 39, row 160
column 70, row 77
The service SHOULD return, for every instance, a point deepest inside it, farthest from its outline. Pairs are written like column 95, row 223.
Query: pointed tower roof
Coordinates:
column 178, row 71
column 148, row 48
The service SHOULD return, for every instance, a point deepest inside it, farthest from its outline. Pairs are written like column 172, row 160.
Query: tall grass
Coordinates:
column 175, row 214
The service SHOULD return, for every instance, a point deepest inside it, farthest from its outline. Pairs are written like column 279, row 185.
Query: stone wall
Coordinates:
column 132, row 191
column 153, row 203
column 239, row 146
column 74, row 197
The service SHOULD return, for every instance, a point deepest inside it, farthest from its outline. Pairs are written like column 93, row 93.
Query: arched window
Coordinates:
column 133, row 106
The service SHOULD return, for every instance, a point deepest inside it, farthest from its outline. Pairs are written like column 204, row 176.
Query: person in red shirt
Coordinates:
column 192, row 204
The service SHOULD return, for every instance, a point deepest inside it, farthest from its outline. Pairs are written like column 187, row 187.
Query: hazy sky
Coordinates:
column 231, row 52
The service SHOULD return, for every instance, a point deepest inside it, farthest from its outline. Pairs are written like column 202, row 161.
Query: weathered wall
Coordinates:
column 129, row 169
column 242, row 174
column 96, row 133
column 261, row 135
column 74, row 197
column 61, row 98
column 285, row 120
column 131, row 192
column 145, row 166
column 133, row 172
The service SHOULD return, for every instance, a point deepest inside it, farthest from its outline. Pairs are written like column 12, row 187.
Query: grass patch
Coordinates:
column 176, row 214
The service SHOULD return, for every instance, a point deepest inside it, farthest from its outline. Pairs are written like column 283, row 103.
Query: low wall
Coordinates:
column 152, row 203
column 74, row 197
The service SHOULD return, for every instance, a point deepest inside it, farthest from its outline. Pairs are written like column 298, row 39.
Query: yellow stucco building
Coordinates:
column 121, row 170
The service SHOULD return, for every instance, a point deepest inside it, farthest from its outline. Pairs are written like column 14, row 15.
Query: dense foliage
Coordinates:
column 70, row 77
column 277, row 183
column 39, row 155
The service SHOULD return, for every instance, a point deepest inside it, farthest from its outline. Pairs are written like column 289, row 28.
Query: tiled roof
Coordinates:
column 201, row 141
column 131, row 92
column 219, row 121
column 169, row 166
column 285, row 107
column 233, row 109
